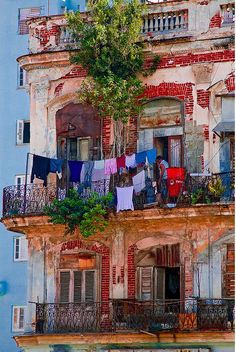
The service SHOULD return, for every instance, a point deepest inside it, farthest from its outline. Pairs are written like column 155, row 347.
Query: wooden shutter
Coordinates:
column 19, row 131
column 145, row 283
column 175, row 151
column 159, row 283
column 23, row 248
column 89, row 286
column 83, row 149
column 229, row 279
column 77, row 286
column 64, row 286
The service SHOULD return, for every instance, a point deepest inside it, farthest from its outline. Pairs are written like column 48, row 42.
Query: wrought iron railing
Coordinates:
column 123, row 314
column 197, row 189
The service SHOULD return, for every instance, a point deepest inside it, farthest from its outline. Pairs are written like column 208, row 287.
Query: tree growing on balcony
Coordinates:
column 111, row 50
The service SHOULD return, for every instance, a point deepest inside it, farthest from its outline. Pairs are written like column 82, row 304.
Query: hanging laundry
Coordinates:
column 99, row 164
column 56, row 167
column 139, row 181
column 110, row 166
column 130, row 161
column 99, row 175
column 124, row 198
column 101, row 187
column 75, row 170
column 86, row 173
column 152, row 155
column 140, row 157
column 41, row 168
column 120, row 162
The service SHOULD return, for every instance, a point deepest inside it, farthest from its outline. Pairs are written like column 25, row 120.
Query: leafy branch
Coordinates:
column 89, row 215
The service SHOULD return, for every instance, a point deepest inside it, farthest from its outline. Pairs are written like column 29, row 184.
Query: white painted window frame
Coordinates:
column 22, row 242
column 17, row 310
column 20, row 132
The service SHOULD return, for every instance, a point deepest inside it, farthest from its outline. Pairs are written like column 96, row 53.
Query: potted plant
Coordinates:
column 216, row 188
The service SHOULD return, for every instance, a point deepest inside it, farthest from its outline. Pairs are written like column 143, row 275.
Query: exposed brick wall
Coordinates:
column 105, row 267
column 230, row 82
column 190, row 58
column 75, row 72
column 58, row 89
column 206, row 132
column 106, row 135
column 182, row 91
column 114, row 274
column 215, row 21
column 45, row 33
column 203, row 97
column 131, row 271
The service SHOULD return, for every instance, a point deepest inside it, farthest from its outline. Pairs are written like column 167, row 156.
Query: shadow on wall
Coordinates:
column 60, row 348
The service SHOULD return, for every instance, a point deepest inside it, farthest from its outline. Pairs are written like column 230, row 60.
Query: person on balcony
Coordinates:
column 162, row 190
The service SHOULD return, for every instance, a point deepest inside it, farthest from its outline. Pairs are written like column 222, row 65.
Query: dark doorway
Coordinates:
column 172, row 283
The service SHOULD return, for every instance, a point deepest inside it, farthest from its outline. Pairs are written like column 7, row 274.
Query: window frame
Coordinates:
column 20, row 132
column 24, row 73
column 17, row 309
column 20, row 258
column 71, row 285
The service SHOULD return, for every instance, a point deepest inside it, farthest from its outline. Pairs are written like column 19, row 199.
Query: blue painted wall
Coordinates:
column 14, row 105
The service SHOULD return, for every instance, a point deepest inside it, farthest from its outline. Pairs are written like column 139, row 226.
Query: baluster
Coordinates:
column 165, row 22
column 154, row 23
column 171, row 21
column 145, row 24
column 181, row 20
column 185, row 16
column 177, row 21
column 158, row 23
column 161, row 22
column 151, row 24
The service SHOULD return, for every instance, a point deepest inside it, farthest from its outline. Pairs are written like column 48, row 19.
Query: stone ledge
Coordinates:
column 124, row 338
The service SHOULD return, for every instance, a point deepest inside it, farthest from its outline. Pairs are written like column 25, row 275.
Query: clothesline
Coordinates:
column 85, row 171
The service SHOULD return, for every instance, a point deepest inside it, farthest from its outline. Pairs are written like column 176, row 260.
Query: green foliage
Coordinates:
column 199, row 196
column 89, row 215
column 216, row 187
column 111, row 50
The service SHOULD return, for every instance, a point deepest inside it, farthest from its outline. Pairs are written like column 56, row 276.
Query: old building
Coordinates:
column 156, row 277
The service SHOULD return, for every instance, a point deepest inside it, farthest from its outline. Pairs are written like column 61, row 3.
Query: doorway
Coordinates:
column 170, row 148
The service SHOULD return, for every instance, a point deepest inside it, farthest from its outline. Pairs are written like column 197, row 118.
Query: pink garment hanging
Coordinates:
column 110, row 166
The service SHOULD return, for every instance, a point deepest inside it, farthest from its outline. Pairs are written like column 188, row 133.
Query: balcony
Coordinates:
column 132, row 315
column 195, row 189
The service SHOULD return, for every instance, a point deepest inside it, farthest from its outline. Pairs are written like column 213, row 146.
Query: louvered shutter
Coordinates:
column 146, row 283
column 19, row 131
column 23, row 248
column 89, row 286
column 77, row 286
column 64, row 286
column 26, row 14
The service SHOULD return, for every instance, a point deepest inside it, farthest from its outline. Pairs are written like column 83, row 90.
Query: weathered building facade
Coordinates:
column 184, row 254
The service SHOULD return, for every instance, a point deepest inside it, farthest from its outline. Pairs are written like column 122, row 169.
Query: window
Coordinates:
column 18, row 318
column 26, row 14
column 22, row 132
column 77, row 286
column 20, row 249
column 21, row 77
column 19, row 181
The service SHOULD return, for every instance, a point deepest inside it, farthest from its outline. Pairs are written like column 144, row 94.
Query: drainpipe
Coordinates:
column 44, row 272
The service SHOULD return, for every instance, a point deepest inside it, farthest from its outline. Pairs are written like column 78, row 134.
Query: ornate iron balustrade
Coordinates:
column 70, row 317
column 32, row 198
column 191, row 314
column 123, row 314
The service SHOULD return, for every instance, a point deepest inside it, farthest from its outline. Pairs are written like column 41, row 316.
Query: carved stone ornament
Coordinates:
column 202, row 72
